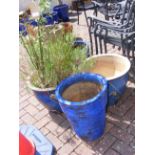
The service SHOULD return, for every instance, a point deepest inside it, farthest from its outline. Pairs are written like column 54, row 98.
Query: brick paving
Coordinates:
column 119, row 136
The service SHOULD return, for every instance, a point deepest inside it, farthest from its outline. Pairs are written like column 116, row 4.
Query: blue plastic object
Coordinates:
column 42, row 144
column 87, row 118
column 46, row 98
column 62, row 11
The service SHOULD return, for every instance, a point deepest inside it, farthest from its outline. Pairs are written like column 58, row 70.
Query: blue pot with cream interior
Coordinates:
column 114, row 68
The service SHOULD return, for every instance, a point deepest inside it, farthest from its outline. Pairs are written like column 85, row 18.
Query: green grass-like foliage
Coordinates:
column 53, row 60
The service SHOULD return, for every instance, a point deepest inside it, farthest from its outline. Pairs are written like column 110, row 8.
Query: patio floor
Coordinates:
column 119, row 137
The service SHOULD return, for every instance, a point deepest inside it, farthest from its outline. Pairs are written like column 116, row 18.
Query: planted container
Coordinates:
column 46, row 96
column 83, row 99
column 62, row 11
column 115, row 68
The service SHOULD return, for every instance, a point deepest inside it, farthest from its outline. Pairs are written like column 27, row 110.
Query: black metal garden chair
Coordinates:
column 109, row 8
column 109, row 32
column 122, row 37
column 81, row 6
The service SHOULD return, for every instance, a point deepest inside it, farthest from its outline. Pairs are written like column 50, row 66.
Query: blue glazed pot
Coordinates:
column 46, row 96
column 62, row 11
column 87, row 117
column 80, row 42
column 117, row 67
column 22, row 29
column 48, row 19
column 33, row 22
column 23, row 20
column 55, row 16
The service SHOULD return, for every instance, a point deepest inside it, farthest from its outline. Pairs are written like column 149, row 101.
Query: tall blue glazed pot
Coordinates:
column 87, row 118
column 46, row 96
column 62, row 11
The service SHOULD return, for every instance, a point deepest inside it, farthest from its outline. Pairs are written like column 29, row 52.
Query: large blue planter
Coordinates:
column 62, row 11
column 87, row 118
column 117, row 82
column 46, row 96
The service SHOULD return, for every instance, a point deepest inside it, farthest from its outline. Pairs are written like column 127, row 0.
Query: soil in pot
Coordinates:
column 81, row 91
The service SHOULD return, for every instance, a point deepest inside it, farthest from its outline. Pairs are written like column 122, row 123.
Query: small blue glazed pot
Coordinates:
column 62, row 11
column 120, row 66
column 80, row 42
column 46, row 96
column 33, row 22
column 23, row 20
column 55, row 16
column 87, row 117
column 22, row 29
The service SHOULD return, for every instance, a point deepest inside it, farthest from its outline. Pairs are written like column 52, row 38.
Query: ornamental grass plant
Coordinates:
column 50, row 61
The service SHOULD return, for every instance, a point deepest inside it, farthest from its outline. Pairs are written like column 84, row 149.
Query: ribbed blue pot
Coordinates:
column 62, row 11
column 87, row 118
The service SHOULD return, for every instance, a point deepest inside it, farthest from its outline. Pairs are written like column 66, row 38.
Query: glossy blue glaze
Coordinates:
column 33, row 22
column 87, row 118
column 55, row 16
column 48, row 20
column 22, row 29
column 80, row 42
column 45, row 98
column 62, row 11
column 116, row 88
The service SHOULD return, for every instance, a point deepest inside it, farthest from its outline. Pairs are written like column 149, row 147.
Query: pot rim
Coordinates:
column 34, row 88
column 100, row 79
column 125, row 59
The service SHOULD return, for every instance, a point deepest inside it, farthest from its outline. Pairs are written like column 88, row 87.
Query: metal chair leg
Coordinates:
column 77, row 10
column 100, row 43
column 105, row 47
column 91, row 42
column 96, row 44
